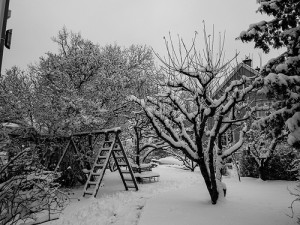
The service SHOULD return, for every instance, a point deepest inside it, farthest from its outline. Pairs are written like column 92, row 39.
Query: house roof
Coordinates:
column 234, row 72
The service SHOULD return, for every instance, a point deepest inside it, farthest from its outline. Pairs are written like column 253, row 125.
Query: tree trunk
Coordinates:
column 262, row 169
column 214, row 195
column 137, row 142
column 193, row 166
column 212, row 189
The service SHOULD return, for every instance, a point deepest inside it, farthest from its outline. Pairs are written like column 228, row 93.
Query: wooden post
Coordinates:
column 63, row 155
column 90, row 142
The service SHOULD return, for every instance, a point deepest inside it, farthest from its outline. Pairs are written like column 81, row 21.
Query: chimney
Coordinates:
column 248, row 61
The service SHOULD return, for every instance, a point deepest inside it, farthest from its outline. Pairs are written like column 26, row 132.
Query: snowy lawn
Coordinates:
column 180, row 197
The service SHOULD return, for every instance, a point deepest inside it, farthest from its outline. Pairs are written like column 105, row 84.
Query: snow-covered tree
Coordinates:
column 263, row 148
column 16, row 97
column 132, row 69
column 61, row 85
column 188, row 116
column 81, row 87
column 145, row 140
column 281, row 75
column 84, row 86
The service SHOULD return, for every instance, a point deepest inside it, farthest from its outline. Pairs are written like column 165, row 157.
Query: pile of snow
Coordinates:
column 170, row 161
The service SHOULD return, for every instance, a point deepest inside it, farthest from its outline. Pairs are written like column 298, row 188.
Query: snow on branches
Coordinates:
column 189, row 115
column 282, row 74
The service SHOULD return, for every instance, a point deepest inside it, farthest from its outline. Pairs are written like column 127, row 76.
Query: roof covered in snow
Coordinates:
column 240, row 70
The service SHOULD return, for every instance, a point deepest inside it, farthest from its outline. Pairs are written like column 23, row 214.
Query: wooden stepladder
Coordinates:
column 110, row 150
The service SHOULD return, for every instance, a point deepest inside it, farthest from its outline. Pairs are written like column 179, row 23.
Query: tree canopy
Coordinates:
column 82, row 86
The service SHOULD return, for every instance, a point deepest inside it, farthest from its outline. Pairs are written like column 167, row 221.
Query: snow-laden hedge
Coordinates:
column 278, row 168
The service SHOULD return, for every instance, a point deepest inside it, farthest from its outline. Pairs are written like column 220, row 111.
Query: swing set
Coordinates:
column 109, row 153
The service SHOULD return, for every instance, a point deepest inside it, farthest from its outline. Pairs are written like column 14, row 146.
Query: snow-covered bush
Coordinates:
column 248, row 166
column 268, row 150
column 279, row 166
column 28, row 190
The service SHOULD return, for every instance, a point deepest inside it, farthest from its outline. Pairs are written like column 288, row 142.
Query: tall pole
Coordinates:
column 4, row 6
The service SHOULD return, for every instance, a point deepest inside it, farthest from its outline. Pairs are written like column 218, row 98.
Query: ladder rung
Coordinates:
column 99, row 165
column 92, row 182
column 88, row 193
column 96, row 174
column 125, row 171
column 117, row 149
column 128, row 179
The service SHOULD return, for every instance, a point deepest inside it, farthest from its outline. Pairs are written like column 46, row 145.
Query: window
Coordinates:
column 227, row 138
column 263, row 112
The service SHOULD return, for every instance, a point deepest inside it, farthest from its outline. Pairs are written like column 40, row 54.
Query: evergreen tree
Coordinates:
column 281, row 75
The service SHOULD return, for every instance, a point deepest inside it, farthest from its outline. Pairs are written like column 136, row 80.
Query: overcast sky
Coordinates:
column 126, row 22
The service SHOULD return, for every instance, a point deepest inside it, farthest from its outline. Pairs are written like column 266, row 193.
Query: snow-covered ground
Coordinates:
column 180, row 197
column 170, row 161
